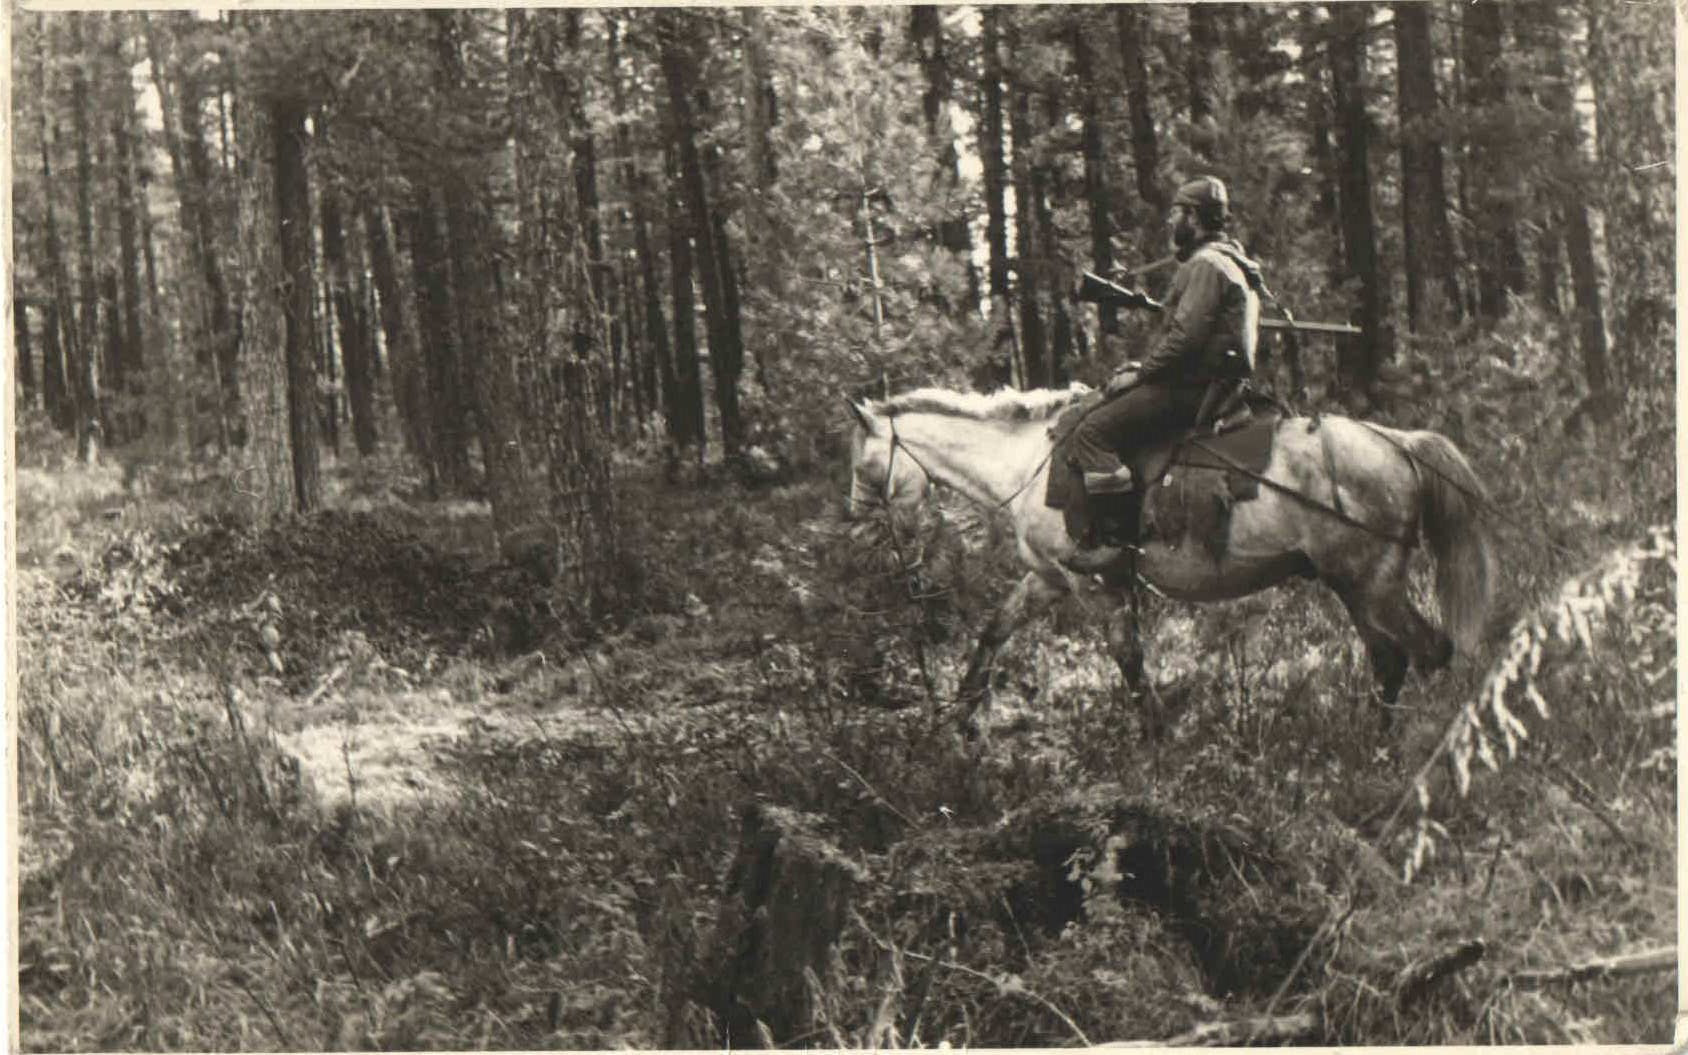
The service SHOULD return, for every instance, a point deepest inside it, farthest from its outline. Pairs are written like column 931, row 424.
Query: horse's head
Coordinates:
column 881, row 469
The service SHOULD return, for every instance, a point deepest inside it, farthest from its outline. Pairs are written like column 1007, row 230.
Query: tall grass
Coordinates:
column 187, row 884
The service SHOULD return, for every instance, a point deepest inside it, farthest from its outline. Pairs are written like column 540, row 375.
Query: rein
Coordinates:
column 897, row 442
column 1306, row 500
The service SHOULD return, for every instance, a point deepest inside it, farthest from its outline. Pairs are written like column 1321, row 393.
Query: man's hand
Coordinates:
column 1122, row 380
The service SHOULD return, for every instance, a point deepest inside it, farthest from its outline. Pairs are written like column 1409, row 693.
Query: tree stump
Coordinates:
column 787, row 898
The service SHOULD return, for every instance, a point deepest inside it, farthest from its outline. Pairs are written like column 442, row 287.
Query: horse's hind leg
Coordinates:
column 1394, row 632
column 1030, row 597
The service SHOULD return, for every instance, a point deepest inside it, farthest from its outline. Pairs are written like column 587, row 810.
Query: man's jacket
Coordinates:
column 1212, row 315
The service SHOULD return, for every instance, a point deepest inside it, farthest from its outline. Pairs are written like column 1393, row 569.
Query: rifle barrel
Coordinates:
column 1311, row 327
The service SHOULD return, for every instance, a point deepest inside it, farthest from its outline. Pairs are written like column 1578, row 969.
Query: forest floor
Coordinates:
column 351, row 782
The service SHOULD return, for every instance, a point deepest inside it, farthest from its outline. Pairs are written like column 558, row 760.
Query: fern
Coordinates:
column 1624, row 605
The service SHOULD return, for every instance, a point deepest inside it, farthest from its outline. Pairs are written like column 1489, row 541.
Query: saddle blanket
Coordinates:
column 1219, row 465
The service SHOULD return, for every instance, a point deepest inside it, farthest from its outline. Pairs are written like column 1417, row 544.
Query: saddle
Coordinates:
column 1232, row 449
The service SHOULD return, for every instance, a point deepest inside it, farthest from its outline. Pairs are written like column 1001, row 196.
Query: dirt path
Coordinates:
column 388, row 752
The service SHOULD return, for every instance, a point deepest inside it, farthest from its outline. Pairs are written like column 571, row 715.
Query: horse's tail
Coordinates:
column 1451, row 498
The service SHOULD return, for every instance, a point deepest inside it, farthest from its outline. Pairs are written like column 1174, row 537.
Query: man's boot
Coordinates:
column 1109, row 496
column 1114, row 482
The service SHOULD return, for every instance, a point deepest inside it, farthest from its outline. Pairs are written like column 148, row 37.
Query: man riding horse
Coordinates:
column 1204, row 350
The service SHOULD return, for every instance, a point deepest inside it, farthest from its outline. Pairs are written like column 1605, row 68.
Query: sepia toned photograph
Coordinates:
column 846, row 527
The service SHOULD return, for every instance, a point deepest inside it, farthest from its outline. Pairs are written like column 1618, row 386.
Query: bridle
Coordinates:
column 896, row 443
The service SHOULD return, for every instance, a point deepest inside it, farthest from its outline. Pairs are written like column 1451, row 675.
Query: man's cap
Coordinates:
column 1203, row 190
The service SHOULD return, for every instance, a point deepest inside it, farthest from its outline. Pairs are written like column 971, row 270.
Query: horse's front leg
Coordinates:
column 1031, row 597
column 1125, row 642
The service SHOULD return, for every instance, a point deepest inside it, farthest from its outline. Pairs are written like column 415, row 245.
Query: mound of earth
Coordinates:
column 315, row 578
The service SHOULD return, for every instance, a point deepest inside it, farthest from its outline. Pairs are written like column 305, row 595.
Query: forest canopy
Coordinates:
column 524, row 243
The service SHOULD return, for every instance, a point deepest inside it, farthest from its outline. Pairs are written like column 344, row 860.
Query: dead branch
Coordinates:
column 1263, row 1030
column 1415, row 983
column 1606, row 967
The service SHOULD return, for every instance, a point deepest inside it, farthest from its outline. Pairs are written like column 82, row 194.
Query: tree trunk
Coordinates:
column 293, row 222
column 726, row 353
column 1033, row 369
column 90, row 418
column 1497, row 255
column 994, row 159
column 926, row 30
column 787, row 901
column 23, row 355
column 1097, row 194
column 762, row 244
column 448, row 410
column 1433, row 298
column 403, row 356
column 1201, row 47
column 1572, row 191
column 131, row 360
column 1358, row 359
column 269, row 483
column 357, row 346
column 55, row 389
column 686, row 423
column 1130, row 23
column 59, row 363
column 518, row 510
column 656, row 378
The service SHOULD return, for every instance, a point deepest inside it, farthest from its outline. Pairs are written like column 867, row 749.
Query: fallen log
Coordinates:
column 1605, row 967
column 1276, row 1029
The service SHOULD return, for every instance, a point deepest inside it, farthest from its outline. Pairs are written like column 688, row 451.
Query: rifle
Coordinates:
column 1095, row 289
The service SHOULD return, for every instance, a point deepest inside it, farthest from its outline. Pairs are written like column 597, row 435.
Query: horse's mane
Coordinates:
column 1005, row 404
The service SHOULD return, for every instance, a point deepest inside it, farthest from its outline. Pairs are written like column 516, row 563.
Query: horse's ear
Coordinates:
column 860, row 413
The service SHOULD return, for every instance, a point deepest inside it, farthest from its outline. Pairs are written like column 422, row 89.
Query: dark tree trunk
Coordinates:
column 685, row 421
column 328, row 364
column 55, row 388
column 110, row 371
column 1433, row 298
column 1034, row 340
column 293, row 219
column 762, row 243
column 1358, row 359
column 1548, row 273
column 357, row 345
column 994, row 158
column 90, row 419
column 448, row 410
column 655, row 379
column 22, row 351
column 1097, row 192
column 59, row 363
column 726, row 352
column 1130, row 23
column 926, row 30
column 1201, row 51
column 403, row 357
column 131, row 359
column 1571, row 190
column 1498, row 257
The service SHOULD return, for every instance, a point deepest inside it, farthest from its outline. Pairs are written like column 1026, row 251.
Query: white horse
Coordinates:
column 1343, row 501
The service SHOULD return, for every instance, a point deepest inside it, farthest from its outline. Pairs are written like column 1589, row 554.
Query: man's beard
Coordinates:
column 1183, row 238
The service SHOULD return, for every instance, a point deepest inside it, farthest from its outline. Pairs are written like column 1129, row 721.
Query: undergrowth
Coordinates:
column 187, row 881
